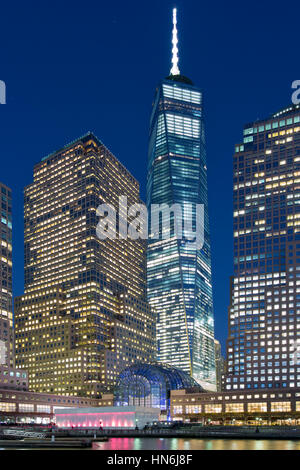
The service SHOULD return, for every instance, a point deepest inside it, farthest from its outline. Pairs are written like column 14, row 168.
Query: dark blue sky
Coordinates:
column 73, row 66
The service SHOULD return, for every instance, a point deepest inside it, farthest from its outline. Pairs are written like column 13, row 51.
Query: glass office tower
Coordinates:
column 264, row 315
column 84, row 316
column 178, row 274
column 6, row 313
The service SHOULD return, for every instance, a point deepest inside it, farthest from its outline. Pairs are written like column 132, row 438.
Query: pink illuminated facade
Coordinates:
column 107, row 417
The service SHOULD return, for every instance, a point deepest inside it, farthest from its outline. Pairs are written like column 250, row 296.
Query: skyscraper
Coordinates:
column 10, row 378
column 220, row 365
column 6, row 312
column 84, row 315
column 264, row 315
column 178, row 274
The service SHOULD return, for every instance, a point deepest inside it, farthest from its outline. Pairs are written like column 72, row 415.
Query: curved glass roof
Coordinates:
column 150, row 385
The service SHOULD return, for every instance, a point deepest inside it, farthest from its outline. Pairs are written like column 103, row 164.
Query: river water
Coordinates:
column 195, row 444
column 161, row 444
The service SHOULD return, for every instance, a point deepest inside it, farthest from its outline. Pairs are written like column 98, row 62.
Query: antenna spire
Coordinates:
column 175, row 70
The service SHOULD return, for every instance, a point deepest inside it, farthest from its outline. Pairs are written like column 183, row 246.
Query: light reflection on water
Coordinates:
column 118, row 443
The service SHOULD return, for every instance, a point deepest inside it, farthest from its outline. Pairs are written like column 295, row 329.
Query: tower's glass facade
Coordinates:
column 179, row 274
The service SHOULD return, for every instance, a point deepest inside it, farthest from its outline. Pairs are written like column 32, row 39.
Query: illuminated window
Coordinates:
column 192, row 409
column 7, row 407
column 280, row 406
column 26, row 407
column 213, row 408
column 43, row 409
column 177, row 410
column 234, row 407
column 257, row 407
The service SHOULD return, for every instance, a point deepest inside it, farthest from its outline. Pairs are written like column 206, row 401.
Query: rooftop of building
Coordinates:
column 181, row 79
column 84, row 139
column 30, row 396
column 237, row 395
column 292, row 109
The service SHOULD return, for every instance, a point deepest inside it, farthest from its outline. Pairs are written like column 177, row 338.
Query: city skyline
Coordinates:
column 150, row 287
column 44, row 90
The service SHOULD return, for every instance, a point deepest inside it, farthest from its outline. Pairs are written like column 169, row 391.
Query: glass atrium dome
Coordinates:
column 149, row 385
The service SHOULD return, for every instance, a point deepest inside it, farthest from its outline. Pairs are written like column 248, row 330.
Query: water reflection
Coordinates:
column 195, row 444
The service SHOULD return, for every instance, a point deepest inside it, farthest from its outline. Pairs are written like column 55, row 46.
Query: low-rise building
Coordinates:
column 280, row 406
column 109, row 417
column 24, row 407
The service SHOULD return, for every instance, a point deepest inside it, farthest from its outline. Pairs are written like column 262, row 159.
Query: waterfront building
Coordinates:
column 179, row 285
column 251, row 407
column 268, row 407
column 264, row 314
column 24, row 407
column 84, row 316
column 149, row 385
column 112, row 417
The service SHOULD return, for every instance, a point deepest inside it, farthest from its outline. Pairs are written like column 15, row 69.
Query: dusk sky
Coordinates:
column 72, row 67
